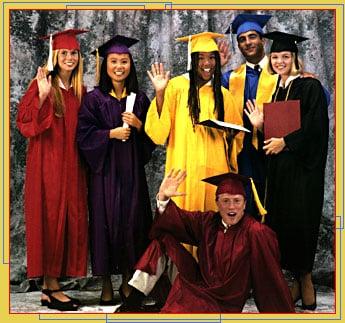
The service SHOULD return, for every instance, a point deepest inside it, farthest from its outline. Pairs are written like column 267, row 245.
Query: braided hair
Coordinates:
column 193, row 93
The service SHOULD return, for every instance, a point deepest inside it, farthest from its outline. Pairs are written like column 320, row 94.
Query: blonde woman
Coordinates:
column 55, row 183
column 296, row 166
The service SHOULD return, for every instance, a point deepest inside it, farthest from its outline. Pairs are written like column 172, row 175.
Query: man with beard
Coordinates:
column 250, row 81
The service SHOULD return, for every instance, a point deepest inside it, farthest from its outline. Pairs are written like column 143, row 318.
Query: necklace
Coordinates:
column 287, row 93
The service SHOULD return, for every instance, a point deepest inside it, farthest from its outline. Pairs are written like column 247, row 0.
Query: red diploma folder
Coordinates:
column 281, row 118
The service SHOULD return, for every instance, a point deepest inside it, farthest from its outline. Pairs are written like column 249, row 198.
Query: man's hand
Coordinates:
column 224, row 52
column 170, row 184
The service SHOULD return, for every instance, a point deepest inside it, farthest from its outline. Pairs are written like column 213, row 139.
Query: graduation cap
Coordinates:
column 118, row 44
column 284, row 41
column 233, row 183
column 62, row 40
column 202, row 42
column 245, row 22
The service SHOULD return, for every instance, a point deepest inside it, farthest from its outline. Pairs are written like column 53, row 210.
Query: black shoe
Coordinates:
column 56, row 304
column 310, row 307
column 45, row 302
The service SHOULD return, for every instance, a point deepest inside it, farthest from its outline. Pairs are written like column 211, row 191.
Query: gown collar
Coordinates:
column 262, row 63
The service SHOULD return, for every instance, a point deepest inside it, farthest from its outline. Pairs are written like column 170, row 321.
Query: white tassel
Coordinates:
column 50, row 57
column 189, row 59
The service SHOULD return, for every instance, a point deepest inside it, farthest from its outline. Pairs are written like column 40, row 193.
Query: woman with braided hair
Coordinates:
column 174, row 117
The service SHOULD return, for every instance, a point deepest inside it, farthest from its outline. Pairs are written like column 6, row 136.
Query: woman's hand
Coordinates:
column 44, row 84
column 120, row 133
column 131, row 119
column 255, row 116
column 274, row 146
column 170, row 184
column 159, row 77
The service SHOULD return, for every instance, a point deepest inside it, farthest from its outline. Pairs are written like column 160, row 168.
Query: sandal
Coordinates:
column 56, row 304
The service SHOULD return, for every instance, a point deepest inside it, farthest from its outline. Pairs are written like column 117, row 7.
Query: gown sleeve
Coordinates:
column 271, row 292
column 158, row 127
column 233, row 115
column 92, row 138
column 146, row 146
column 185, row 226
column 225, row 79
column 32, row 120
column 308, row 142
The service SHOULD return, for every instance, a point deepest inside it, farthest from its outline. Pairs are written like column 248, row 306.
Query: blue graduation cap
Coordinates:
column 245, row 22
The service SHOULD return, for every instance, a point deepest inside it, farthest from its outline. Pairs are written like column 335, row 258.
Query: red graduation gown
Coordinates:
column 230, row 263
column 55, row 188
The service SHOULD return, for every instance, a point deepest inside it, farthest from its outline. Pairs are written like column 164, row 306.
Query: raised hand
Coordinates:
column 131, row 119
column 170, row 184
column 224, row 52
column 255, row 116
column 159, row 77
column 44, row 84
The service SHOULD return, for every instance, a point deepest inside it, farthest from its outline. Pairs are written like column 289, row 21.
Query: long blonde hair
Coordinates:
column 76, row 82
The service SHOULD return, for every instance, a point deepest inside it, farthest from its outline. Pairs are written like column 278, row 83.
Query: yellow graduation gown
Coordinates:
column 201, row 151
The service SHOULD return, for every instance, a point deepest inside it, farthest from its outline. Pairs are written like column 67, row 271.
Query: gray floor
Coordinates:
column 29, row 302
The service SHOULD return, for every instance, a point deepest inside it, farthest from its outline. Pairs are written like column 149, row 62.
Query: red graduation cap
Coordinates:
column 232, row 183
column 62, row 40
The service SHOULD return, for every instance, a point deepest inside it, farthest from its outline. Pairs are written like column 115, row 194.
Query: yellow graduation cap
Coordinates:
column 202, row 42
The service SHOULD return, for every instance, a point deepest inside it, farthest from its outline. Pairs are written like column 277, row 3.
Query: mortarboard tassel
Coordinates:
column 50, row 65
column 97, row 67
column 260, row 207
column 189, row 59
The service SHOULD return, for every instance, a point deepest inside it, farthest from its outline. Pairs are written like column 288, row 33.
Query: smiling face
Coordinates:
column 251, row 46
column 281, row 63
column 231, row 207
column 118, row 67
column 67, row 59
column 206, row 65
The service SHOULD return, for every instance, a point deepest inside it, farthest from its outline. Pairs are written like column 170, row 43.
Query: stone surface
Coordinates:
column 157, row 31
column 30, row 303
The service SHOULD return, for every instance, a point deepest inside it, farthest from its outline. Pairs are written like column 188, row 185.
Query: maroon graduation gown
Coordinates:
column 230, row 263
column 55, row 188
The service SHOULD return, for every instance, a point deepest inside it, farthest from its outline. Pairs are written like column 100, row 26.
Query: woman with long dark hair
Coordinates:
column 55, row 182
column 111, row 137
column 174, row 116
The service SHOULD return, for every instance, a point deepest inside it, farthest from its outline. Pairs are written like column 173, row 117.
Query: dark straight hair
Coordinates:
column 131, row 82
column 193, row 94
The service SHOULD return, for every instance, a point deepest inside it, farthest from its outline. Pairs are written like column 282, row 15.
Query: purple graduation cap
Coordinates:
column 118, row 44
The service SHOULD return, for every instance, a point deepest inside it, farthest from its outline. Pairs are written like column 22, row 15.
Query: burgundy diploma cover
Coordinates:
column 281, row 118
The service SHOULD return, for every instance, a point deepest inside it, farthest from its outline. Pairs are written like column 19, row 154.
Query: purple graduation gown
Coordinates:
column 230, row 263
column 120, row 212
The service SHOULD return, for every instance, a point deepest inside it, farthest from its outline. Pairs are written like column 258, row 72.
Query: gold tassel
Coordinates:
column 97, row 67
column 260, row 207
